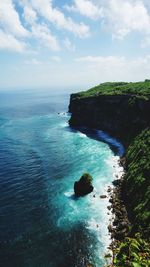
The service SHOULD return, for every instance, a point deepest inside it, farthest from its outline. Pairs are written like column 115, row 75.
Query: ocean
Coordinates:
column 42, row 224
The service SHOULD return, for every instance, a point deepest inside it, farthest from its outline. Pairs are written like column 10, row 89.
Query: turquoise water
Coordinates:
column 41, row 157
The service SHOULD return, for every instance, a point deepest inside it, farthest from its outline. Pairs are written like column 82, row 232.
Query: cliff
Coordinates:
column 121, row 115
column 123, row 110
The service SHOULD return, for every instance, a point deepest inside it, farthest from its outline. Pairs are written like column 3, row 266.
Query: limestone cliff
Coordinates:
column 122, row 116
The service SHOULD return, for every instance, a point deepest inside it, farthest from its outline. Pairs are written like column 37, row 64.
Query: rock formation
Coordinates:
column 84, row 185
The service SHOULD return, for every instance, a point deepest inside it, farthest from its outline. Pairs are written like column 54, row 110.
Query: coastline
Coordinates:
column 123, row 112
column 111, row 193
column 119, row 225
column 120, row 237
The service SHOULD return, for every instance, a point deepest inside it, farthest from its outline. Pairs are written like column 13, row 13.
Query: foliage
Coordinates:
column 136, row 186
column 134, row 252
column 86, row 178
column 140, row 89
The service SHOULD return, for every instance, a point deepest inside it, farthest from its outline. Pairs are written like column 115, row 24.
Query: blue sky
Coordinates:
column 62, row 44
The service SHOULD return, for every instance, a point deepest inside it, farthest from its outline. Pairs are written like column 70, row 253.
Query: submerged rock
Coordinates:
column 84, row 185
column 103, row 196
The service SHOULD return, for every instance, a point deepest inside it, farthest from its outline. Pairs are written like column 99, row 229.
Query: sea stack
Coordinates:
column 84, row 185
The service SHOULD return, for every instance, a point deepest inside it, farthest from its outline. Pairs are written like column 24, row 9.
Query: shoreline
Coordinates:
column 117, row 223
column 124, row 115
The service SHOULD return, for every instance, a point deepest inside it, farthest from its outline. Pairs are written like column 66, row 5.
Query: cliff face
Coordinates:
column 122, row 116
column 123, row 110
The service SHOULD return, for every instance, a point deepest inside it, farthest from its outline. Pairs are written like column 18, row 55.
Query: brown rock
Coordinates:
column 110, row 228
column 109, row 190
column 116, row 182
column 111, row 200
column 116, row 222
column 120, row 235
column 103, row 196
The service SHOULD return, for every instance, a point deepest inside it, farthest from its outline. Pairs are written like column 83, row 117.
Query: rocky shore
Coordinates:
column 119, row 226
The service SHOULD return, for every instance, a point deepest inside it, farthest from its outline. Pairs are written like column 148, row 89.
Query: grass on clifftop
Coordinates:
column 141, row 89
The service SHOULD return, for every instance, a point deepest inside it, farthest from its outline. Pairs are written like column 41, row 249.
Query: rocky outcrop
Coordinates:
column 83, row 186
column 119, row 229
column 122, row 116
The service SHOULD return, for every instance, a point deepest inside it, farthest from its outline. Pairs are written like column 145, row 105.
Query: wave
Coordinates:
column 112, row 141
column 69, row 193
column 82, row 135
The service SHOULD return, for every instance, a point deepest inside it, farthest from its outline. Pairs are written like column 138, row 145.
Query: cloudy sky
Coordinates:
column 73, row 44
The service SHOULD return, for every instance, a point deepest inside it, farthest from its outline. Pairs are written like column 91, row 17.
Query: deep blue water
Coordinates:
column 41, row 223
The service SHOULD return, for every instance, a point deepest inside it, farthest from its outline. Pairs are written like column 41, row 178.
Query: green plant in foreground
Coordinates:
column 137, row 183
column 134, row 252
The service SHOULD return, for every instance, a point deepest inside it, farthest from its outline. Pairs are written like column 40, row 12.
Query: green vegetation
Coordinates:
column 129, row 121
column 133, row 252
column 136, row 186
column 141, row 89
column 86, row 178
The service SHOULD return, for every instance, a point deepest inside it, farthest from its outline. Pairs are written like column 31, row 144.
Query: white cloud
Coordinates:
column 10, row 21
column 120, row 17
column 43, row 34
column 9, row 42
column 45, row 9
column 12, row 32
column 125, row 16
column 68, row 44
column 30, row 15
column 86, row 8
column 112, row 68
column 40, row 32
column 35, row 11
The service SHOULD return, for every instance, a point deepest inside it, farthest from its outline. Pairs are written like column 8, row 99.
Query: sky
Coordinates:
column 73, row 44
